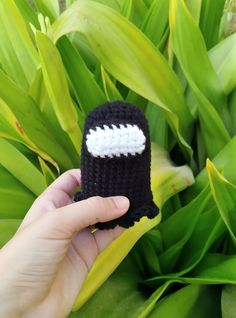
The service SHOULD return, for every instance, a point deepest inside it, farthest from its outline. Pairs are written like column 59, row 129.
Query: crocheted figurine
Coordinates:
column 115, row 160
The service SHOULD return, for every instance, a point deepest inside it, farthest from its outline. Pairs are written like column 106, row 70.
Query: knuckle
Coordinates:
column 97, row 201
column 101, row 203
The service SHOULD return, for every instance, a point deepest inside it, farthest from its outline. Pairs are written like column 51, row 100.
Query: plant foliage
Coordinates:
column 175, row 60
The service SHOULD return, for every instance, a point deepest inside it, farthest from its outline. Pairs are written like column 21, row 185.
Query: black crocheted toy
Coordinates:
column 115, row 160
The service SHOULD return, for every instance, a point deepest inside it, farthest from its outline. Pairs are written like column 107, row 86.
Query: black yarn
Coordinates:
column 124, row 175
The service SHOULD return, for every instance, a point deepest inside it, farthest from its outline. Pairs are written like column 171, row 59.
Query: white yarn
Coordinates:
column 118, row 140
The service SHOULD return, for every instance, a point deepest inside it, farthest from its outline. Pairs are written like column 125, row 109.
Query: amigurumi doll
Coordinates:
column 115, row 160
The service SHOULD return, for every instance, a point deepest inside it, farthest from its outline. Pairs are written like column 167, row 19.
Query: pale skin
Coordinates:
column 44, row 265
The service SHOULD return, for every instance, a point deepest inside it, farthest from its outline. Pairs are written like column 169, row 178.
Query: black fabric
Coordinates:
column 128, row 176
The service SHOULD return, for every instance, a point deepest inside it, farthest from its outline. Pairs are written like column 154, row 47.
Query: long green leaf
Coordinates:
column 222, row 57
column 191, row 301
column 212, row 126
column 225, row 160
column 10, row 188
column 158, row 126
column 86, row 89
column 189, row 47
column 194, row 7
column 156, row 19
column 149, row 305
column 110, row 89
column 210, row 228
column 7, row 229
column 17, row 52
column 39, row 93
column 213, row 269
column 166, row 179
column 228, row 304
column 211, row 14
column 150, row 77
column 24, row 171
column 178, row 228
column 120, row 288
column 33, row 122
column 49, row 8
column 58, row 91
column 134, row 11
column 28, row 13
column 224, row 194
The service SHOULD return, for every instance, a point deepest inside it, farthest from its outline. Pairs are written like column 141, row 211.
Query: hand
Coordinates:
column 44, row 265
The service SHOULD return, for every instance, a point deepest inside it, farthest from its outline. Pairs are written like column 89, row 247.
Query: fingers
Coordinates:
column 66, row 221
column 58, row 194
column 105, row 237
column 67, row 183
column 101, row 239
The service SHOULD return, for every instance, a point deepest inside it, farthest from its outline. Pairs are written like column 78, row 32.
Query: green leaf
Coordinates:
column 134, row 11
column 208, row 230
column 212, row 126
column 222, row 57
column 228, row 305
column 189, row 47
column 156, row 19
column 33, row 123
column 84, row 49
column 227, row 25
column 146, row 257
column 131, row 65
column 17, row 52
column 37, row 89
column 224, row 194
column 211, row 14
column 215, row 269
column 7, row 229
column 191, row 52
column 232, row 110
column 115, row 4
column 86, row 89
column 225, row 160
column 24, row 171
column 194, row 7
column 146, row 251
column 58, row 91
column 47, row 172
column 110, row 89
column 28, row 13
column 121, row 288
column 49, row 8
column 39, row 93
column 148, row 306
column 11, row 188
column 191, row 301
column 158, row 126
column 166, row 179
column 178, row 228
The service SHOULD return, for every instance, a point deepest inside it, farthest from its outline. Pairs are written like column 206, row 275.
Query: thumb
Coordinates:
column 66, row 221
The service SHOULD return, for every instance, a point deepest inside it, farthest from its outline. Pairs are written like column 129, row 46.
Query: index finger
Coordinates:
column 67, row 182
column 57, row 195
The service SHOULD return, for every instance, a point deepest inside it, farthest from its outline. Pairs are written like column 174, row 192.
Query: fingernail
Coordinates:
column 121, row 202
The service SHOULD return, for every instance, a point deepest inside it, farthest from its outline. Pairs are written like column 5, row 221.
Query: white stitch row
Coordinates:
column 113, row 142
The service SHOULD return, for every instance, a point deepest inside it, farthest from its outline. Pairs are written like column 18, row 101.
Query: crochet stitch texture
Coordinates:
column 115, row 160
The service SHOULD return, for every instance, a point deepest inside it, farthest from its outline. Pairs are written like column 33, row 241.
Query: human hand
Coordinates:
column 44, row 265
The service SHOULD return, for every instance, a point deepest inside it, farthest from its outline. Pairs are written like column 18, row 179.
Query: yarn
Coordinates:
column 115, row 160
